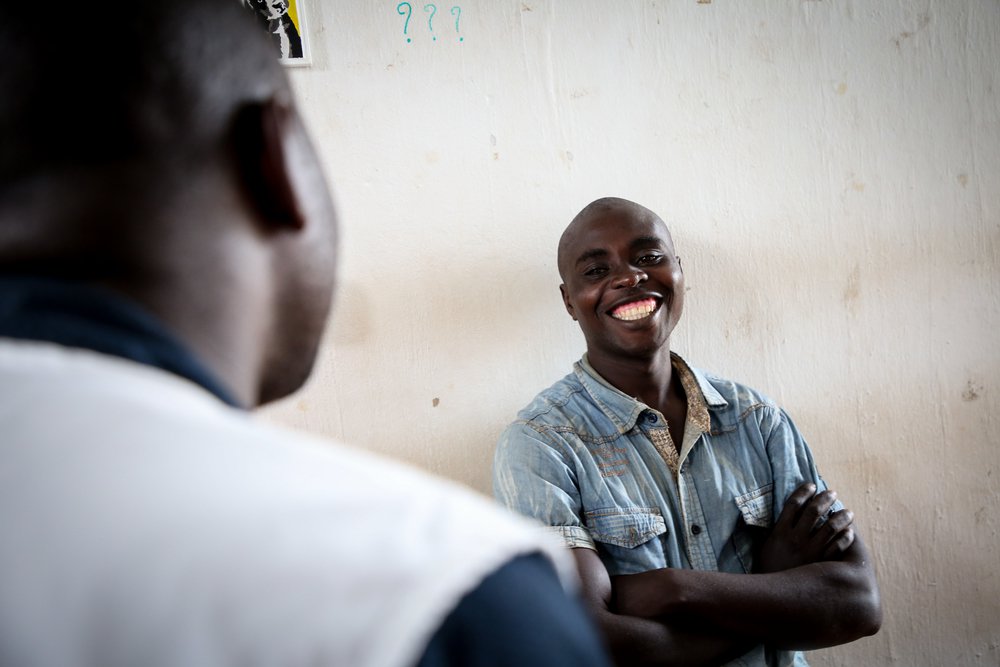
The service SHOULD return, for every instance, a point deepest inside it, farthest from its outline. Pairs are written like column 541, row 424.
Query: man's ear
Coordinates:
column 565, row 298
column 265, row 141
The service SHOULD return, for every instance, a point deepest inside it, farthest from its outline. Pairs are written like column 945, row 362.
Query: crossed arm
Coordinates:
column 813, row 586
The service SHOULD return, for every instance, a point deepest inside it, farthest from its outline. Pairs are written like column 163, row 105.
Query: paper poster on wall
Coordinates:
column 284, row 21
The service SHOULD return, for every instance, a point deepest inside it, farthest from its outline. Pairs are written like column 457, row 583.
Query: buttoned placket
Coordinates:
column 701, row 554
column 697, row 541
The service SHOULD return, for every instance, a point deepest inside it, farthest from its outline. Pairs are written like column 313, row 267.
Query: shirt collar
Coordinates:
column 82, row 316
column 624, row 410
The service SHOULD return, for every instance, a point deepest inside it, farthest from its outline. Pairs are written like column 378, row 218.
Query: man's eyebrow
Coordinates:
column 646, row 241
column 590, row 254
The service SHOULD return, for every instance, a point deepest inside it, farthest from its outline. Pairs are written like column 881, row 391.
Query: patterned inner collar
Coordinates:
column 697, row 412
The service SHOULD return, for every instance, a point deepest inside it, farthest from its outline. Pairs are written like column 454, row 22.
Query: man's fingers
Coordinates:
column 800, row 496
column 840, row 528
column 839, row 544
column 814, row 511
column 839, row 521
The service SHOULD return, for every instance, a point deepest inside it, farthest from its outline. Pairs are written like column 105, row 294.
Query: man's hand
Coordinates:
column 801, row 536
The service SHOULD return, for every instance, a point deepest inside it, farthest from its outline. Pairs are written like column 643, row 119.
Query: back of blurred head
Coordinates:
column 161, row 156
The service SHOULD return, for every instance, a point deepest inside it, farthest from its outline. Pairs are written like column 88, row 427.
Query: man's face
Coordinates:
column 271, row 9
column 623, row 283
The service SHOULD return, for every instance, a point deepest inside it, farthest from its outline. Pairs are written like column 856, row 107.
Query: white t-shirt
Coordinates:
column 143, row 522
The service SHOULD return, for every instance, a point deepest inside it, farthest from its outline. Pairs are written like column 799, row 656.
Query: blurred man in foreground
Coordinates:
column 167, row 256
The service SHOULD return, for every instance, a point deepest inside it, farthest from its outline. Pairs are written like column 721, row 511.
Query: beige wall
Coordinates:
column 831, row 171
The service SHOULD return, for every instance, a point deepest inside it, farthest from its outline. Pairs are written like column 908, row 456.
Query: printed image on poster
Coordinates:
column 284, row 21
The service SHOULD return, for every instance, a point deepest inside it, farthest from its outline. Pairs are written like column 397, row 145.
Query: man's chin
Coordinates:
column 291, row 377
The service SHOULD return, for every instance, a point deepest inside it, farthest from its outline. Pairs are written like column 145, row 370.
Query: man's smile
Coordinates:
column 634, row 310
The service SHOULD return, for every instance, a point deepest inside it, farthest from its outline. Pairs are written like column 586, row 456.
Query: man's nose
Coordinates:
column 630, row 277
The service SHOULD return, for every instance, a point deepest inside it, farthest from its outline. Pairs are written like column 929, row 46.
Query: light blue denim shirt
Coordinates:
column 599, row 467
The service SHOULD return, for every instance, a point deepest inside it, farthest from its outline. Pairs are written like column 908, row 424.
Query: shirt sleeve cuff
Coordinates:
column 574, row 537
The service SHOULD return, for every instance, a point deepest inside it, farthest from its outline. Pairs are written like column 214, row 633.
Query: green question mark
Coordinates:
column 408, row 12
column 430, row 19
column 456, row 11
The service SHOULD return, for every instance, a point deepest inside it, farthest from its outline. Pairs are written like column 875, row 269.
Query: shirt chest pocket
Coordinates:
column 756, row 512
column 757, row 507
column 625, row 527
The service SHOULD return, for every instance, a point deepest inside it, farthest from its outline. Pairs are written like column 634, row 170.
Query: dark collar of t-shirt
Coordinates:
column 92, row 318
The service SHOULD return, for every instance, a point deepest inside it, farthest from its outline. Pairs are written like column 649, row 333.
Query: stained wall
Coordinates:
column 831, row 173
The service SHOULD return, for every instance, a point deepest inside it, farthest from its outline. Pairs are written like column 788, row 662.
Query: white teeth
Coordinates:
column 635, row 311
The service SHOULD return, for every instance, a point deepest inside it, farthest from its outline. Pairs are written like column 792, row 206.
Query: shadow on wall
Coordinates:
column 447, row 357
column 352, row 315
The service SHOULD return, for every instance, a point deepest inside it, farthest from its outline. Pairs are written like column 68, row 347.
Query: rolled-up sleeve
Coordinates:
column 533, row 475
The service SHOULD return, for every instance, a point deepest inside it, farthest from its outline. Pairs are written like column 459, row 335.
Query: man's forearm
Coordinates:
column 807, row 607
column 640, row 642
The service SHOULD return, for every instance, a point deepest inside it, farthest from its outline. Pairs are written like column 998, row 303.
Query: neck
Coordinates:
column 649, row 379
column 187, row 253
column 217, row 322
column 220, row 313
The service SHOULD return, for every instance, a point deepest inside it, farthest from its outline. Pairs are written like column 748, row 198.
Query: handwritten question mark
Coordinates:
column 456, row 11
column 430, row 19
column 408, row 12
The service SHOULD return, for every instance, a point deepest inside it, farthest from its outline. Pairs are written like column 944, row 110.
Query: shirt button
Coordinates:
column 650, row 417
column 695, row 529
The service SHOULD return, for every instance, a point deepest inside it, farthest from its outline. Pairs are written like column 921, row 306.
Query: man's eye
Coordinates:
column 595, row 271
column 646, row 260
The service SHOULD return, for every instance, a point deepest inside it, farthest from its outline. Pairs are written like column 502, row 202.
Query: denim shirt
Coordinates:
column 599, row 467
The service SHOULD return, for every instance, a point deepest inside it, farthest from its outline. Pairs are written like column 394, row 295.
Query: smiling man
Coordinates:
column 700, row 525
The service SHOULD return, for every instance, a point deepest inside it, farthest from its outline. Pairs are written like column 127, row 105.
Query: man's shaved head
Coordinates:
column 105, row 115
column 154, row 149
column 597, row 210
column 125, row 83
